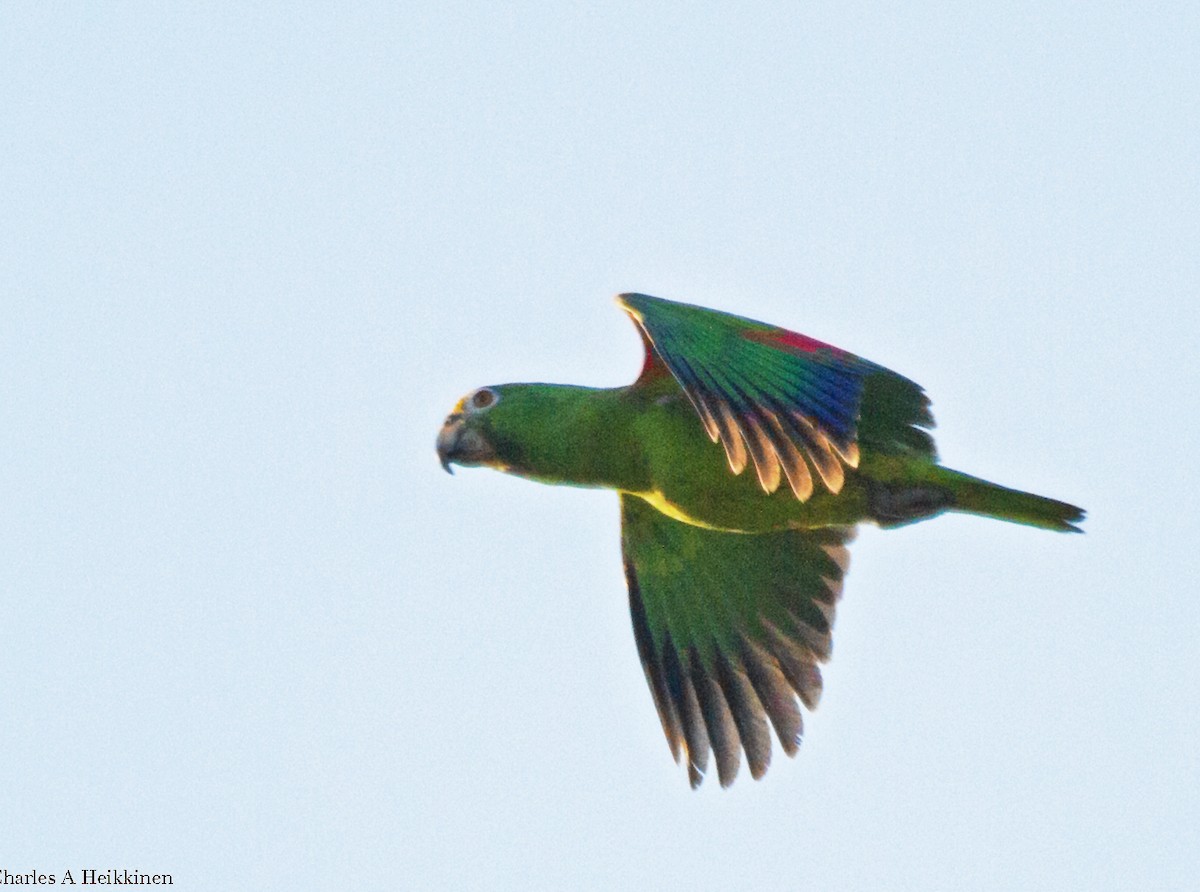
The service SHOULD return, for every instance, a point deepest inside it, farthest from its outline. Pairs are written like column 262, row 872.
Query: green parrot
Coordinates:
column 734, row 554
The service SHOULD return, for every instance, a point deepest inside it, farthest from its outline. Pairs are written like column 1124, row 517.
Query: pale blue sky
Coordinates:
column 251, row 635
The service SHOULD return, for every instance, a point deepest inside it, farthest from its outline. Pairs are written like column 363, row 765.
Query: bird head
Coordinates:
column 466, row 435
column 522, row 429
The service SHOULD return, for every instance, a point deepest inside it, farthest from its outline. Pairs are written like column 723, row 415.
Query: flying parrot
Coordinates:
column 734, row 553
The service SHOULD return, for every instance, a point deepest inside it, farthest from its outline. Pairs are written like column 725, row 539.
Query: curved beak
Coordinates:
column 461, row 445
column 445, row 447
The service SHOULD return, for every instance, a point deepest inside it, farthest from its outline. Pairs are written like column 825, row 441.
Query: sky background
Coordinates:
column 251, row 635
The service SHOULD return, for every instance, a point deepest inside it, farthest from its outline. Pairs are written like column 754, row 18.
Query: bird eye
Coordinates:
column 483, row 398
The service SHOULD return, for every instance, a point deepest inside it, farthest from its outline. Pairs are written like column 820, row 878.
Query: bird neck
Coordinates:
column 586, row 438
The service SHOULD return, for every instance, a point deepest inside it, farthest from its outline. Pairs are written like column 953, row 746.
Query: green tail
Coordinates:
column 975, row 496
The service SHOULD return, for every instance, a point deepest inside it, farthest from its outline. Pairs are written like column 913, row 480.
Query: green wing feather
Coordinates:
column 792, row 406
column 730, row 629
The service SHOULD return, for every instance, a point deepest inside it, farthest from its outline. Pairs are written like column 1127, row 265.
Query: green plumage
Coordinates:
column 734, row 553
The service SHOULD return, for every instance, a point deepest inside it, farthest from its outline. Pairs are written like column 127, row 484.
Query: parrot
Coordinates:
column 744, row 455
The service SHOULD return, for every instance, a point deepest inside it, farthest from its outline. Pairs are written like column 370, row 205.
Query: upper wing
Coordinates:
column 789, row 403
column 730, row 628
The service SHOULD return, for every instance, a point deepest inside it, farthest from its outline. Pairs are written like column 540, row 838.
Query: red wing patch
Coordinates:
column 780, row 337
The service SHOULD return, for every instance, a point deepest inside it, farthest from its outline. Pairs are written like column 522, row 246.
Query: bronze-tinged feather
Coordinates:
column 848, row 452
column 687, row 707
column 652, row 665
column 731, row 438
column 840, row 555
column 698, row 746
column 834, row 576
column 821, row 453
column 808, row 616
column 828, row 595
column 827, row 610
column 795, row 468
column 695, row 392
column 748, row 715
column 727, row 399
column 774, row 693
column 707, row 417
column 798, row 429
column 722, row 732
column 766, row 464
column 798, row 664
column 754, row 431
column 816, row 641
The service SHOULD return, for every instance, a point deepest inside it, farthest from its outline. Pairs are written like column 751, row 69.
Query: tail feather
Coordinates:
column 975, row 496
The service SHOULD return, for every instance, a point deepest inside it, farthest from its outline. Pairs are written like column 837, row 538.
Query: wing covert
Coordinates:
column 785, row 403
